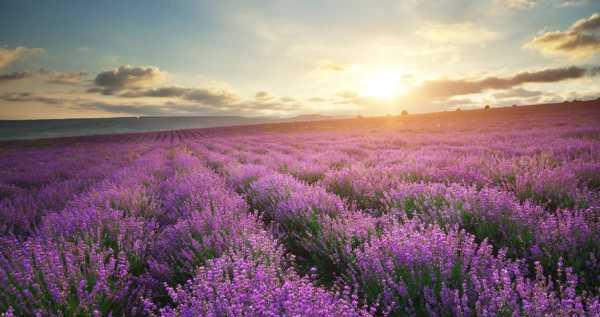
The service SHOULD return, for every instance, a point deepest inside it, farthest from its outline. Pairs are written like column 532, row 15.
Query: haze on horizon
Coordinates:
column 75, row 59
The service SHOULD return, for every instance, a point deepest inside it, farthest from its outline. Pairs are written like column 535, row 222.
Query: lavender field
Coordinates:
column 474, row 213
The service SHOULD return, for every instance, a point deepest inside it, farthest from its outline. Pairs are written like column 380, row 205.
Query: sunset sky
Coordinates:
column 65, row 59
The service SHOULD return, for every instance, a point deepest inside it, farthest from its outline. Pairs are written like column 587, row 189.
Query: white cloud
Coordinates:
column 581, row 40
column 517, row 4
column 9, row 55
column 129, row 77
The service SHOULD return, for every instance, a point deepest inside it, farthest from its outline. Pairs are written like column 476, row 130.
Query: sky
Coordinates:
column 80, row 59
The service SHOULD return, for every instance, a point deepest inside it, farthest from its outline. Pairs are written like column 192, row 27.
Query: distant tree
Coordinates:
column 359, row 116
column 458, row 109
column 486, row 107
column 514, row 106
column 404, row 113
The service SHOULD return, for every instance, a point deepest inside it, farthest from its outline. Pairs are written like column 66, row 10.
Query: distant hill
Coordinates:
column 35, row 129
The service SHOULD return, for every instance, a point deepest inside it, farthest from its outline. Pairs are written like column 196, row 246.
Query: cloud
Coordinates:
column 316, row 99
column 263, row 96
column 126, row 77
column 209, row 96
column 66, row 78
column 327, row 65
column 594, row 71
column 217, row 98
column 14, row 76
column 445, row 88
column 517, row 4
column 163, row 92
column 168, row 108
column 457, row 33
column 9, row 55
column 50, row 77
column 360, row 103
column 517, row 93
column 590, row 24
column 347, row 94
column 373, row 104
column 572, row 3
column 129, row 82
column 31, row 97
column 581, row 40
column 192, row 102
column 212, row 96
column 129, row 90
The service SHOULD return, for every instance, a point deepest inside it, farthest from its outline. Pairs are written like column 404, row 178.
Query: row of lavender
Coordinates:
column 554, row 212
column 124, row 245
column 529, row 229
column 307, row 224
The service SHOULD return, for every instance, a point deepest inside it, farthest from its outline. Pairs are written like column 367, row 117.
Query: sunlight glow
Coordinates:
column 382, row 84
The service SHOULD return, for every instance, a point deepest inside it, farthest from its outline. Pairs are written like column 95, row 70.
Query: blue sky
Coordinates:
column 285, row 58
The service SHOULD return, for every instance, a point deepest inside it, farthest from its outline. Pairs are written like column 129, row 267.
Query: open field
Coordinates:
column 486, row 212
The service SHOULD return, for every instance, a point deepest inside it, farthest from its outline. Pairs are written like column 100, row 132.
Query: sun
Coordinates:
column 382, row 84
